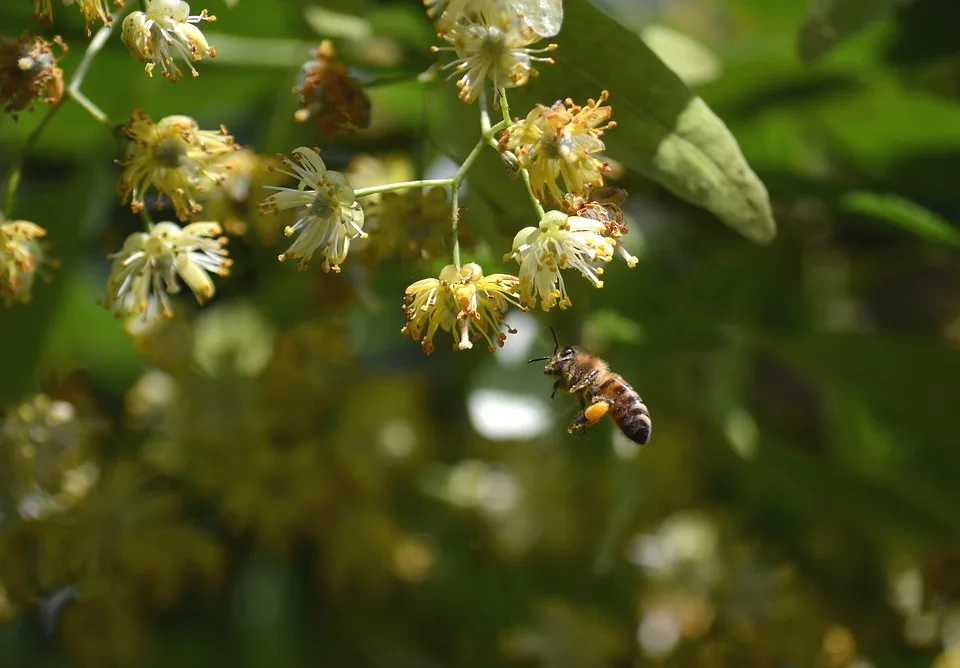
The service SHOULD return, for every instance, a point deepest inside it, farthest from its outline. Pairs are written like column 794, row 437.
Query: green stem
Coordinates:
column 524, row 174
column 90, row 107
column 455, row 227
column 147, row 220
column 421, row 183
column 465, row 167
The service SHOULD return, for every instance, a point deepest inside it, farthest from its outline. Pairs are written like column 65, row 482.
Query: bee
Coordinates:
column 599, row 390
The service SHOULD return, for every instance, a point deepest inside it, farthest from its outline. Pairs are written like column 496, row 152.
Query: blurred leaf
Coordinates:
column 689, row 59
column 829, row 22
column 903, row 213
column 609, row 326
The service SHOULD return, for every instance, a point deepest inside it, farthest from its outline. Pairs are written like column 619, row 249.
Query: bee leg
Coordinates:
column 587, row 417
column 556, row 386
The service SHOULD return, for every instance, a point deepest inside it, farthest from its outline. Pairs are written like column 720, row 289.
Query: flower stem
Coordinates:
column 455, row 225
column 422, row 183
column 147, row 220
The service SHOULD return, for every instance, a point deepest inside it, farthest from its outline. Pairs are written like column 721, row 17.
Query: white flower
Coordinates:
column 543, row 16
column 559, row 242
column 145, row 270
column 330, row 215
column 163, row 31
column 493, row 47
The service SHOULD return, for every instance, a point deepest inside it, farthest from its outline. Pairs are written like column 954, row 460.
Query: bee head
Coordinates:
column 561, row 358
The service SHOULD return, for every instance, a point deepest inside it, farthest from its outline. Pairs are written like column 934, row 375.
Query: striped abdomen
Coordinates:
column 626, row 408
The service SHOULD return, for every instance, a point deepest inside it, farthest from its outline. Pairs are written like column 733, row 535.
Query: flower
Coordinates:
column 329, row 95
column 558, row 141
column 559, row 242
column 20, row 257
column 91, row 10
column 175, row 157
column 166, row 29
column 145, row 270
column 543, row 16
column 330, row 216
column 29, row 72
column 463, row 302
column 603, row 205
column 494, row 47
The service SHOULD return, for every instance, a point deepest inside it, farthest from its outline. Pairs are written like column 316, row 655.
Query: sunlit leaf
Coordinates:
column 688, row 58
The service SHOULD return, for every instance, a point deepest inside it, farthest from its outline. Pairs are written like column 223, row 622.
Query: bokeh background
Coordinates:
column 280, row 479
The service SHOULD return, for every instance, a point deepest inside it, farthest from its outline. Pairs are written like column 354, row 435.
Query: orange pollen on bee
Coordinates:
column 596, row 411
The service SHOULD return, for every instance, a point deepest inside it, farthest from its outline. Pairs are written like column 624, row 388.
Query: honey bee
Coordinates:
column 599, row 390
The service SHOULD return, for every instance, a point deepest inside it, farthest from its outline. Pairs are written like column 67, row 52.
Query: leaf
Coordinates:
column 828, row 22
column 691, row 60
column 903, row 213
column 664, row 131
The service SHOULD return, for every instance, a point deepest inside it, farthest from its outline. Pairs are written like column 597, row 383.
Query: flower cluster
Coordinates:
column 164, row 30
column 463, row 302
column 557, row 149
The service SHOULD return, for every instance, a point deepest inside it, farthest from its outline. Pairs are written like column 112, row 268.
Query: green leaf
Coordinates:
column 664, row 131
column 828, row 22
column 903, row 213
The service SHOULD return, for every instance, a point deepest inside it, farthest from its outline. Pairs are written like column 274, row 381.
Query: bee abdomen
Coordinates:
column 628, row 411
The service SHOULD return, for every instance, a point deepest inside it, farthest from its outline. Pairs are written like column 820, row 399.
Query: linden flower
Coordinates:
column 558, row 141
column 145, row 270
column 603, row 205
column 173, row 156
column 20, row 256
column 330, row 216
column 543, row 16
column 465, row 303
column 91, row 10
column 163, row 31
column 493, row 48
column 29, row 73
column 559, row 242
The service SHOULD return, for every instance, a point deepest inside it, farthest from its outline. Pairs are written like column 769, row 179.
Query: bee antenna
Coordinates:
column 537, row 359
column 556, row 344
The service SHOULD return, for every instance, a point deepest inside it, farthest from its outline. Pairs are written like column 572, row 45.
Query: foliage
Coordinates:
column 279, row 478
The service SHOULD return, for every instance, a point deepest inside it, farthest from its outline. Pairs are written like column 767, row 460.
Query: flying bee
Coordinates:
column 599, row 390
